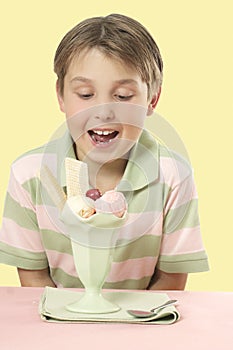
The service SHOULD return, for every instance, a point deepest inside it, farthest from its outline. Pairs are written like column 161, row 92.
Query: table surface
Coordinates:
column 206, row 323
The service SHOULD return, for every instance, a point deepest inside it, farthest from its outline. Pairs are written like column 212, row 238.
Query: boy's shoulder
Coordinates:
column 49, row 147
column 170, row 162
column 27, row 165
column 154, row 144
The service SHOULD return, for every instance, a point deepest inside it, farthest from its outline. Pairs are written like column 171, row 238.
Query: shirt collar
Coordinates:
column 141, row 169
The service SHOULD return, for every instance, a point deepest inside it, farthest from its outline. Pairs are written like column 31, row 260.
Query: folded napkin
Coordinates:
column 53, row 302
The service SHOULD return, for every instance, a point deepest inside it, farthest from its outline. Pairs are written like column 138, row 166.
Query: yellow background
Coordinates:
column 195, row 39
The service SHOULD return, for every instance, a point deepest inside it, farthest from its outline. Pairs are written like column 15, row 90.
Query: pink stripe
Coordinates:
column 149, row 223
column 49, row 219
column 132, row 269
column 29, row 166
column 184, row 241
column 138, row 224
column 61, row 260
column 173, row 172
column 19, row 237
column 181, row 195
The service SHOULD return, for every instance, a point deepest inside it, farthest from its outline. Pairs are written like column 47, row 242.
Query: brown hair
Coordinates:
column 117, row 36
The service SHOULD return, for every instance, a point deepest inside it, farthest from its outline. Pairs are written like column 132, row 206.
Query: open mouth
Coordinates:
column 103, row 136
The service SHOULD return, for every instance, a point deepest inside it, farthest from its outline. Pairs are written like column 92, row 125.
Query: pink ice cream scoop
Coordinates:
column 111, row 202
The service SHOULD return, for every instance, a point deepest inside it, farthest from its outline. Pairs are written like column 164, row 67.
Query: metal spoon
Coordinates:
column 142, row 313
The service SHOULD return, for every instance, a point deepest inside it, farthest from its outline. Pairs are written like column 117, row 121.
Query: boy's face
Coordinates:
column 103, row 129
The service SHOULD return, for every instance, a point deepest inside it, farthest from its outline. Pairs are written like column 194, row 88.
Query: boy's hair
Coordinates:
column 117, row 36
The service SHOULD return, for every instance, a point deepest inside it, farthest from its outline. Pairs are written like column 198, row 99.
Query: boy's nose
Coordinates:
column 104, row 112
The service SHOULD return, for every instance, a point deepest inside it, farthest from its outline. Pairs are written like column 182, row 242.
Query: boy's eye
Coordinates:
column 124, row 97
column 85, row 96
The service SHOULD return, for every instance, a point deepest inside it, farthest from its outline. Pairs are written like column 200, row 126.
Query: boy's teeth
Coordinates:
column 103, row 136
column 105, row 132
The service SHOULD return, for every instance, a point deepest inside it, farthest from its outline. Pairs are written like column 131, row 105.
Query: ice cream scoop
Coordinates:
column 84, row 201
column 111, row 202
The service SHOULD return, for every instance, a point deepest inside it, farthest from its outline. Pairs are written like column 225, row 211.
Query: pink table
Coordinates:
column 206, row 323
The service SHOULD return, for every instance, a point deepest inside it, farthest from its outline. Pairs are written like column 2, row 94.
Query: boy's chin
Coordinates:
column 102, row 156
column 98, row 159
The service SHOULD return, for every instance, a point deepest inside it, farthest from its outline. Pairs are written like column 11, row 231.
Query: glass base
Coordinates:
column 93, row 304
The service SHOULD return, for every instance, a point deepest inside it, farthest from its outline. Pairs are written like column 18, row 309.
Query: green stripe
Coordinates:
column 184, row 216
column 184, row 263
column 56, row 241
column 31, row 186
column 68, row 281
column 38, row 193
column 24, row 217
column 129, row 284
column 146, row 245
column 148, row 199
column 22, row 258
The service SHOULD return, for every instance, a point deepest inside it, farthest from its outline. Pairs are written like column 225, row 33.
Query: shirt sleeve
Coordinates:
column 182, row 248
column 20, row 239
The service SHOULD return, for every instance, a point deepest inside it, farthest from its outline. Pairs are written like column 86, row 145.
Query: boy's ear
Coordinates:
column 153, row 102
column 59, row 97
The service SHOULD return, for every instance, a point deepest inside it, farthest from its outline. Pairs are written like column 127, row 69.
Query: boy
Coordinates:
column 108, row 68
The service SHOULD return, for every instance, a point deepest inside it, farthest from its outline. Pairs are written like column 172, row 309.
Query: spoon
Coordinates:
column 142, row 313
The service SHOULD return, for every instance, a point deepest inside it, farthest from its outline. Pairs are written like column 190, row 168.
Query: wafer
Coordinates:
column 76, row 177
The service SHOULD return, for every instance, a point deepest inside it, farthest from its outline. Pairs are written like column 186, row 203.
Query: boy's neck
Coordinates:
column 107, row 176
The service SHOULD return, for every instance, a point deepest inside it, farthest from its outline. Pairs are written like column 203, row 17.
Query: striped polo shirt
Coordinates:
column 161, row 231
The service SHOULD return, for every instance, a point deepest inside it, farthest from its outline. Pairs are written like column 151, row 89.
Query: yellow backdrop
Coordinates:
column 195, row 38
